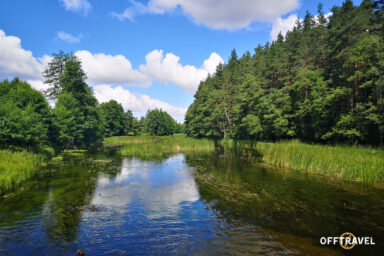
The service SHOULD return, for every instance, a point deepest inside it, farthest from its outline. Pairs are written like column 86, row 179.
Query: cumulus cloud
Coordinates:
column 216, row 14
column 283, row 25
column 168, row 69
column 136, row 102
column 38, row 84
column 68, row 38
column 108, row 69
column 103, row 71
column 79, row 6
column 15, row 61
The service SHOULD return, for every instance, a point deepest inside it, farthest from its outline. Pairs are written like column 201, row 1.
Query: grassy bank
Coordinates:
column 146, row 146
column 16, row 167
column 356, row 163
column 347, row 162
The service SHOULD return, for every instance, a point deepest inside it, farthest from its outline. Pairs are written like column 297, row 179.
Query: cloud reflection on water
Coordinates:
column 157, row 188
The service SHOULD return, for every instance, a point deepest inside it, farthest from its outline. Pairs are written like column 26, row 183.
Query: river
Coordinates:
column 184, row 204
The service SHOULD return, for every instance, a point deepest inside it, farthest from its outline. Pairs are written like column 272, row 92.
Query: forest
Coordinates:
column 323, row 82
column 77, row 120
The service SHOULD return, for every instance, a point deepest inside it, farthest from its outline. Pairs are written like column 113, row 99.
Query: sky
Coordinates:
column 145, row 54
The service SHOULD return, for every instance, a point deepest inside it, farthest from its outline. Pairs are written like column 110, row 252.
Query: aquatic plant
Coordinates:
column 150, row 146
column 358, row 163
column 16, row 167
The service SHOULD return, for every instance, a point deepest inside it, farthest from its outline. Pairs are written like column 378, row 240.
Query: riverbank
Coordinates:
column 16, row 167
column 151, row 146
column 356, row 163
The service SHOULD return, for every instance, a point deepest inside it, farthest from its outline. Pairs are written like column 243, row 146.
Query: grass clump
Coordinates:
column 145, row 146
column 16, row 167
column 348, row 162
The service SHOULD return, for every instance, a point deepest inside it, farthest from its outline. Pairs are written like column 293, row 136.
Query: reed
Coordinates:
column 355, row 163
column 143, row 146
column 16, row 167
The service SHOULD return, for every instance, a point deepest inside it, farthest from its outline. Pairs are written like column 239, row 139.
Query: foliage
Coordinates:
column 130, row 123
column 76, row 109
column 53, row 74
column 322, row 82
column 113, row 118
column 25, row 117
column 160, row 123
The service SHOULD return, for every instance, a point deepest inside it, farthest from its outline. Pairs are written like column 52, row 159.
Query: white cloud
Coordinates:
column 15, row 61
column 168, row 69
column 327, row 16
column 79, row 6
column 108, row 69
column 283, row 25
column 136, row 102
column 163, row 201
column 68, row 38
column 212, row 62
column 38, row 85
column 130, row 13
column 216, row 14
column 104, row 70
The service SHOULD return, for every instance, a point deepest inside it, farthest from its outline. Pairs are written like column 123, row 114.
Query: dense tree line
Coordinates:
column 76, row 121
column 322, row 82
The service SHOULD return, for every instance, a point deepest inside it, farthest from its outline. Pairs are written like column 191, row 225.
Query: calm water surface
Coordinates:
column 206, row 204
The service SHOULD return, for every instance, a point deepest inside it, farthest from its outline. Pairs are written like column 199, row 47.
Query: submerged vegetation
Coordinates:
column 16, row 167
column 289, row 202
column 321, row 83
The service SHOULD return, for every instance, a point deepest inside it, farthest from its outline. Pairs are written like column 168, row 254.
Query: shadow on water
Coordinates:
column 44, row 214
column 293, row 204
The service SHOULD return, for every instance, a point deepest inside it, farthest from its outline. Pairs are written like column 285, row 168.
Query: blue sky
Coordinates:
column 144, row 54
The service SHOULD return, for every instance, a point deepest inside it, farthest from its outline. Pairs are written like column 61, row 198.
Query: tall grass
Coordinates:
column 147, row 146
column 357, row 163
column 16, row 167
column 348, row 162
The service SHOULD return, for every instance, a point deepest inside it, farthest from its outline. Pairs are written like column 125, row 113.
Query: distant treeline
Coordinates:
column 323, row 82
column 76, row 121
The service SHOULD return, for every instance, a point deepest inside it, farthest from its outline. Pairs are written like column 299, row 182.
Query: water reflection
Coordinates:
column 306, row 208
column 203, row 204
column 159, row 187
